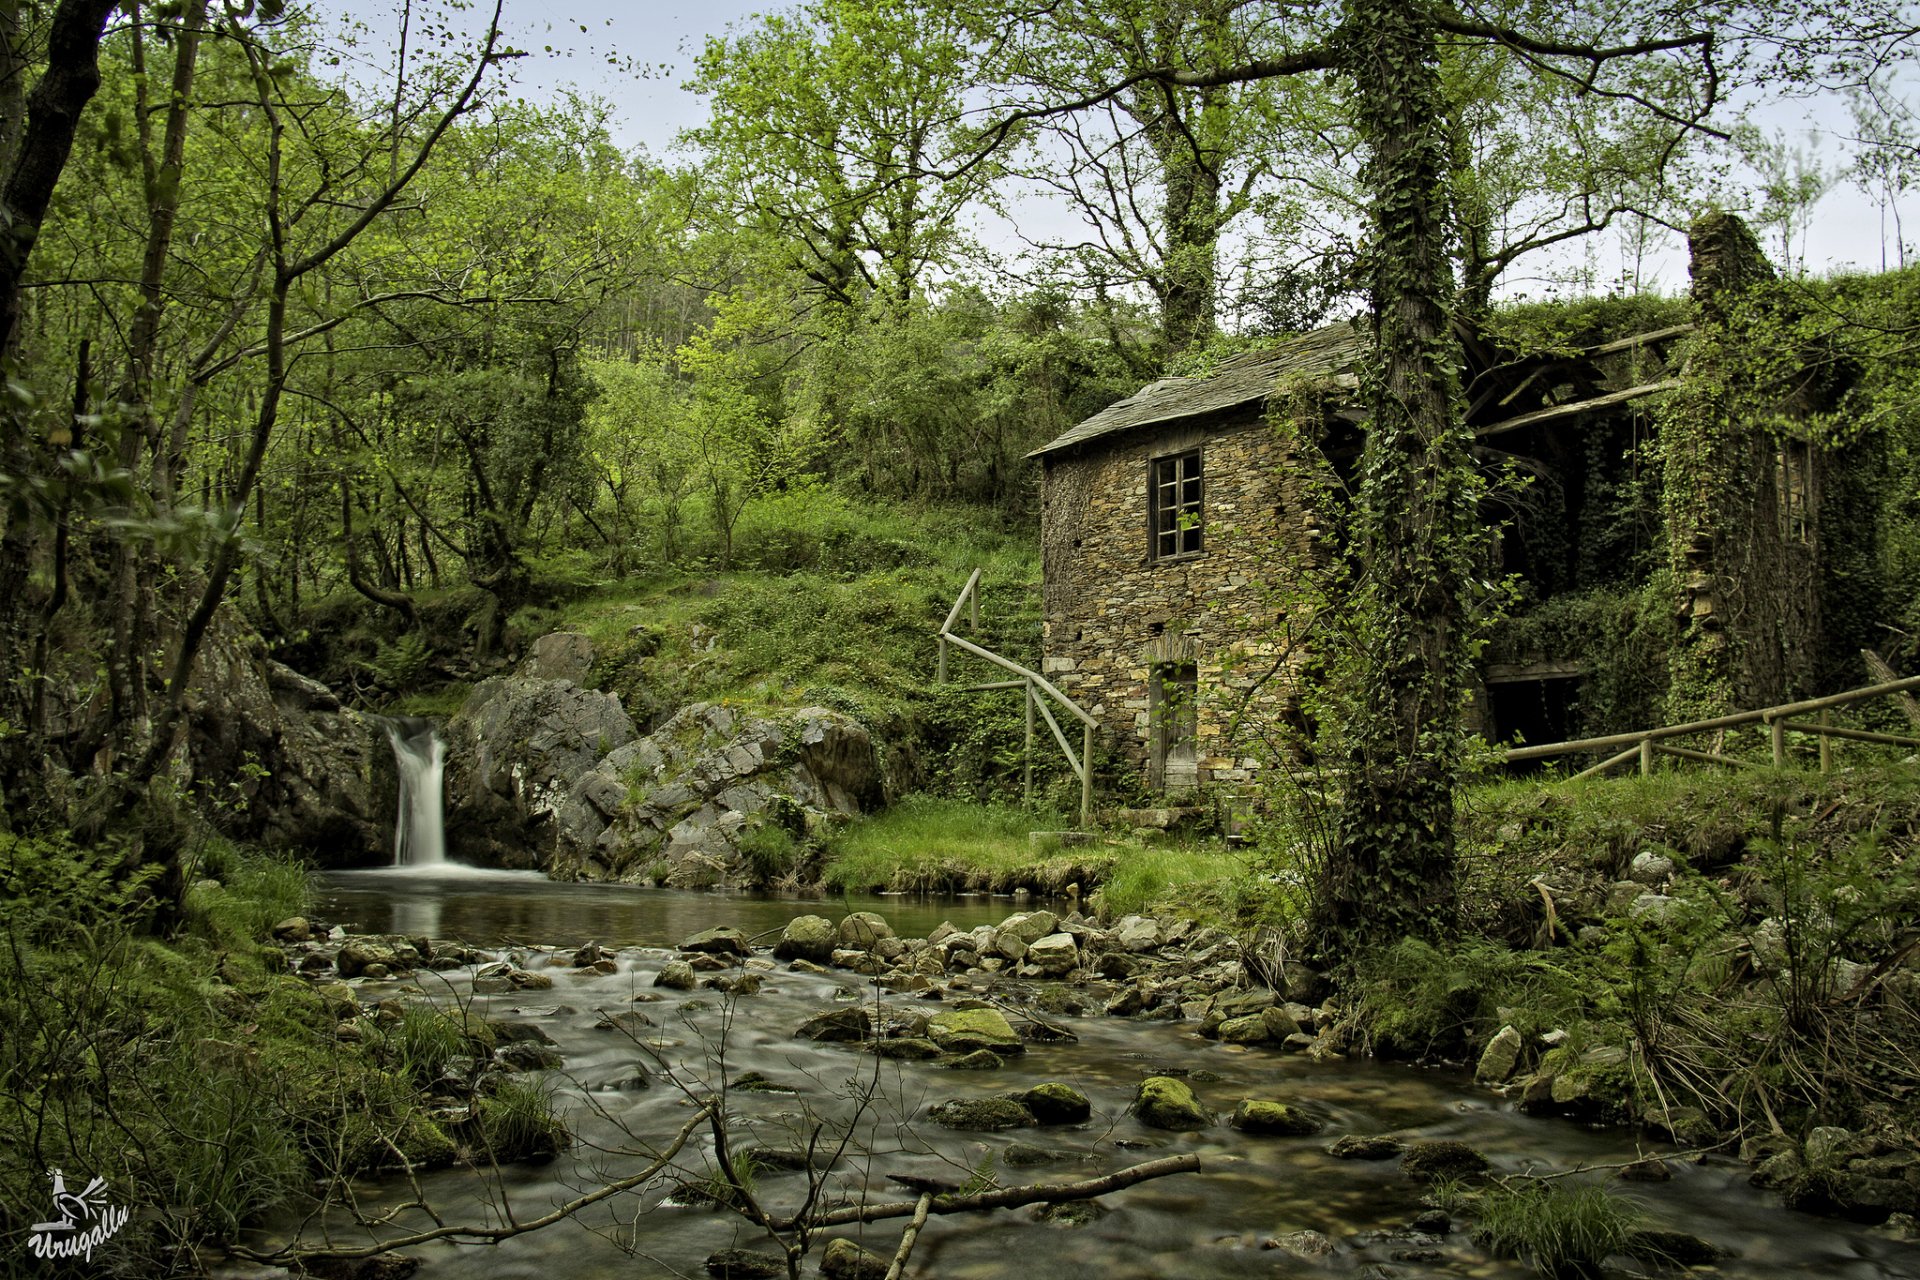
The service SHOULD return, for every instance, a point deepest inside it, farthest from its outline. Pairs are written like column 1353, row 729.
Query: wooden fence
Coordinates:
column 1038, row 691
column 1644, row 744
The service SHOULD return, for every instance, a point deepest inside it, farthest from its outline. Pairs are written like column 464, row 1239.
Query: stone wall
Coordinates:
column 1112, row 612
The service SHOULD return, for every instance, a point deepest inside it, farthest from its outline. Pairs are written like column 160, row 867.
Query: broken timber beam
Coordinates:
column 1553, row 413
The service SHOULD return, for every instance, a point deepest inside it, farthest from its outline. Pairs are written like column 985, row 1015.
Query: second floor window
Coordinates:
column 1174, row 495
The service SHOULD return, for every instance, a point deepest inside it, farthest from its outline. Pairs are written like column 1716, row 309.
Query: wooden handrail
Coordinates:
column 1032, row 684
column 1765, row 715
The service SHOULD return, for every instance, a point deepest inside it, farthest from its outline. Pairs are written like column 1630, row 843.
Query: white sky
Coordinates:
column 665, row 36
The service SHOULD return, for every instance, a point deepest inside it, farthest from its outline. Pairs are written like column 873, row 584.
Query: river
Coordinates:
column 1205, row 1225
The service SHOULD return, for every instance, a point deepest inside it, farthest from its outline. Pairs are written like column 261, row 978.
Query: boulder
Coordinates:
column 722, row 940
column 988, row 1114
column 1030, row 926
column 1443, row 1158
column 1251, row 1029
column 966, row 1030
column 293, row 929
column 516, row 752
column 1055, row 1103
column 290, row 766
column 1650, row 868
column 978, row 1060
column 806, row 938
column 862, row 930
column 1308, row 1246
column 676, row 803
column 906, row 1048
column 676, row 975
column 1137, row 933
column 1272, row 1119
column 1499, row 1058
column 1166, row 1103
column 1355, row 1146
column 362, row 953
column 559, row 655
column 1055, row 954
column 744, row 1264
column 838, row 1025
column 845, row 1260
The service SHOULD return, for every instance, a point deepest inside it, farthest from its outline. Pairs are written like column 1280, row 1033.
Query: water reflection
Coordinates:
column 500, row 907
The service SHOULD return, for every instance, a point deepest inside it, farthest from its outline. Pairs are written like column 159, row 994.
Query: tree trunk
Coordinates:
column 1417, row 524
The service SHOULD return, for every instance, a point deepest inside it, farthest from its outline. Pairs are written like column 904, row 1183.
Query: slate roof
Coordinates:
column 1243, row 379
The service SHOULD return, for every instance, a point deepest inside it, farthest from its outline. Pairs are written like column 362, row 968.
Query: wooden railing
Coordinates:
column 1038, row 689
column 1643, row 745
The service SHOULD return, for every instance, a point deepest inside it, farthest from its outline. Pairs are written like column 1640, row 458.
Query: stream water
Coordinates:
column 1207, row 1225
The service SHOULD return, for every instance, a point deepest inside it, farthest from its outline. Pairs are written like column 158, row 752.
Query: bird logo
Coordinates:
column 85, row 1220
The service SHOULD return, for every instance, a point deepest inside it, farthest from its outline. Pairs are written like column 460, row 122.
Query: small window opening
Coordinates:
column 1175, row 498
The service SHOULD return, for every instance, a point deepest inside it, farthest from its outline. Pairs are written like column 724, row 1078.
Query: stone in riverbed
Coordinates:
column 1030, row 926
column 807, row 938
column 1356, row 1146
column 965, row 1030
column 1054, row 954
column 989, row 1114
column 744, row 1264
column 1251, row 1029
column 723, row 940
column 978, row 1060
column 1272, row 1119
column 1055, row 1103
column 837, row 1025
column 1309, row 1246
column 1166, row 1103
column 1672, row 1248
column 862, row 929
column 677, row 975
column 845, row 1260
column 1442, row 1159
column 293, row 929
column 627, row 1021
column 909, row 1048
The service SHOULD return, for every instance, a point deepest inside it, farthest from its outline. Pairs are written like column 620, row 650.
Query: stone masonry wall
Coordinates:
column 1112, row 612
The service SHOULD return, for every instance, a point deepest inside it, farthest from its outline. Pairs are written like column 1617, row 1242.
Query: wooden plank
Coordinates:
column 991, row 685
column 1515, row 672
column 1851, row 735
column 1008, row 664
column 1637, row 340
column 1705, row 757
column 1061, row 738
column 1631, row 753
column 1554, row 413
column 953, row 614
column 1718, row 722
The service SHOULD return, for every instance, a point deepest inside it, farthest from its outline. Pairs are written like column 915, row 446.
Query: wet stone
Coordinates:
column 1355, row 1146
column 988, row 1114
column 1442, row 1159
column 721, row 940
column 677, row 975
column 1166, row 1103
column 1273, row 1119
column 744, row 1264
column 978, row 1060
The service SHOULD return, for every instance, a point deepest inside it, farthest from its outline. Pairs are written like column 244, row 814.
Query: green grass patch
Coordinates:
column 1565, row 1232
column 1176, row 878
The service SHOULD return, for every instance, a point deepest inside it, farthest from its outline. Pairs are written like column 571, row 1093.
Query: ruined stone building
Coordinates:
column 1167, row 516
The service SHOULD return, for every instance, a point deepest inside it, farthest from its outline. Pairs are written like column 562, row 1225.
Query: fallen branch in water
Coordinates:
column 907, row 1237
column 1002, row 1197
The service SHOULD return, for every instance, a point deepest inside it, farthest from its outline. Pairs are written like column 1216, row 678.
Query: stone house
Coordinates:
column 1163, row 519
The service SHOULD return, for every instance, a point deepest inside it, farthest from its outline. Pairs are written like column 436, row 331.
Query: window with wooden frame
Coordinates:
column 1174, row 505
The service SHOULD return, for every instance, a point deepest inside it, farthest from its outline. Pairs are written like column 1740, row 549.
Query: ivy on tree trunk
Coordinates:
column 1417, row 527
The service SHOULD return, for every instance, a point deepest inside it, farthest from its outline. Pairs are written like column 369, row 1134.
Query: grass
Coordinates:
column 1565, row 1232
column 925, row 843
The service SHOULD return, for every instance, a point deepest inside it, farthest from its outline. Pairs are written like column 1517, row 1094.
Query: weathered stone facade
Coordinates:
column 1120, row 623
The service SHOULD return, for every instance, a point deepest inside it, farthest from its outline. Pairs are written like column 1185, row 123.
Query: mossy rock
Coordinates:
column 978, row 1060
column 1273, row 1119
column 1251, row 1029
column 845, row 1260
column 1442, row 1159
column 908, row 1048
column 1056, row 1103
column 1355, row 1146
column 965, row 1030
column 1166, row 1103
column 988, row 1114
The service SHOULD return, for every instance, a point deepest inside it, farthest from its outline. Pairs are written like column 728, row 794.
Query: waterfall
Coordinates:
column 420, row 834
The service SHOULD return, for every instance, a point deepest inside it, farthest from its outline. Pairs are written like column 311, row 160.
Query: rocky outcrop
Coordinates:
column 517, row 749
column 280, row 762
column 682, row 804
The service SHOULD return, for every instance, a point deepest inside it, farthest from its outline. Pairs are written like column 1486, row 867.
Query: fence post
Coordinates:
column 1826, row 740
column 974, row 597
column 1779, row 727
column 1086, row 776
column 1646, row 756
column 942, row 642
column 1029, row 756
